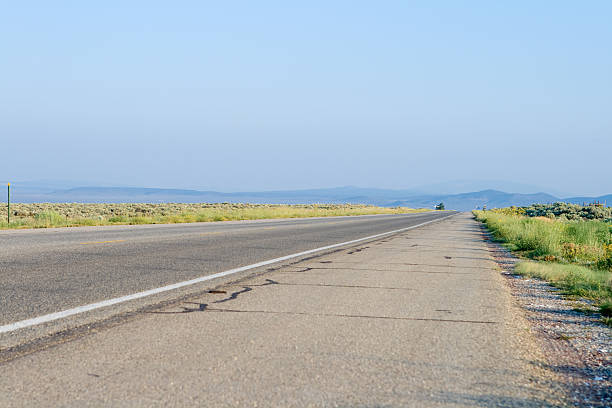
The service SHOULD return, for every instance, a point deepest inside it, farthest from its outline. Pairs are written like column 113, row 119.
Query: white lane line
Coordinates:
column 109, row 302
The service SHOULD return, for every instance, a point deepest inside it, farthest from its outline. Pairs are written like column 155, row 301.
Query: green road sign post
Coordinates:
column 8, row 203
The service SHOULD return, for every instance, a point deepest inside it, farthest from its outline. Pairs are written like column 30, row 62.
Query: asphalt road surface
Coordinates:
column 50, row 270
column 422, row 318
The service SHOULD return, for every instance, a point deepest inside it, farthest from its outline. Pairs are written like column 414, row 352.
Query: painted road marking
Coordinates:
column 102, row 242
column 109, row 302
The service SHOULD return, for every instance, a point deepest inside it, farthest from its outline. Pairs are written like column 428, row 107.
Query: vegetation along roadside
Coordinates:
column 45, row 215
column 568, row 245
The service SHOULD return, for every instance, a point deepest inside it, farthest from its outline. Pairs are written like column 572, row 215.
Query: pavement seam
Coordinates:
column 204, row 308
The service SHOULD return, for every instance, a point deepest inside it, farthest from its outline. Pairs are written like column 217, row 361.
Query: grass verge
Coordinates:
column 587, row 243
column 575, row 256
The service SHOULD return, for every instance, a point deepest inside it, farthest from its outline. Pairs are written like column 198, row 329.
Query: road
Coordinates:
column 420, row 318
column 51, row 270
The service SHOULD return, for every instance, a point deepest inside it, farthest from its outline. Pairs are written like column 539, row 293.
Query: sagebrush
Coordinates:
column 43, row 215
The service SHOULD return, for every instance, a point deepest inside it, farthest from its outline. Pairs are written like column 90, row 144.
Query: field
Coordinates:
column 574, row 255
column 45, row 215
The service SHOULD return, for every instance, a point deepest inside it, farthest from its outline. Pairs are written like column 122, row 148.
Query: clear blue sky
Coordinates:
column 259, row 95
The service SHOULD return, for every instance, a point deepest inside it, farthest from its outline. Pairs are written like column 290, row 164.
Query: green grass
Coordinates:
column 587, row 243
column 45, row 215
column 575, row 256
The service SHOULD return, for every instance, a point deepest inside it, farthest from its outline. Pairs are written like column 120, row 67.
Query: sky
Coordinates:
column 244, row 96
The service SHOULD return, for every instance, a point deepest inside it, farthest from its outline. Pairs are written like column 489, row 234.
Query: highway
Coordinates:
column 50, row 270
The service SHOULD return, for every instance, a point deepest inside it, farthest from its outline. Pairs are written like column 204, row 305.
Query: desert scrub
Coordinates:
column 561, row 211
column 44, row 215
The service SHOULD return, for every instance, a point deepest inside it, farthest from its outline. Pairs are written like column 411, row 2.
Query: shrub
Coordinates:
column 568, row 211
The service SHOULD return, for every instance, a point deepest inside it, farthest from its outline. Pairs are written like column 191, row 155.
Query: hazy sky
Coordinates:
column 260, row 95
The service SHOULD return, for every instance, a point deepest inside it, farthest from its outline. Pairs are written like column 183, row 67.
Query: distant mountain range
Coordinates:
column 355, row 195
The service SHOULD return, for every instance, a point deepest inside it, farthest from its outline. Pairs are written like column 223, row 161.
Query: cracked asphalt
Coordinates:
column 418, row 319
